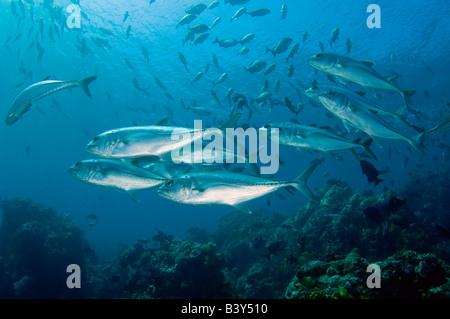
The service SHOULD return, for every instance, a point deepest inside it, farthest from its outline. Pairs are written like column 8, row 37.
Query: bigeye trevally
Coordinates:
column 38, row 90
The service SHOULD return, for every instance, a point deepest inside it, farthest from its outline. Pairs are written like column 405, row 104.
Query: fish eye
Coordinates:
column 95, row 139
column 319, row 55
column 169, row 183
column 77, row 164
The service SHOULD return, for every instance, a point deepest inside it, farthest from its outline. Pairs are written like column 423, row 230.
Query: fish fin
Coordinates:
column 355, row 154
column 406, row 97
column 346, row 125
column 243, row 208
column 163, row 121
column 134, row 197
column 272, row 51
column 416, row 145
column 366, row 146
column 85, row 83
column 300, row 182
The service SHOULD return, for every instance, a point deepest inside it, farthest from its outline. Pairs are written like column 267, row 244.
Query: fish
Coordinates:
column 334, row 36
column 125, row 17
column 221, row 79
column 349, row 45
column 160, row 84
column 370, row 172
column 197, row 77
column 291, row 107
column 293, row 51
column 138, row 141
column 128, row 31
column 216, row 62
column 226, row 43
column 228, row 188
column 199, row 28
column 214, row 4
column 188, row 18
column 442, row 125
column 258, row 12
column 200, row 38
column 305, row 36
column 284, row 10
column 188, row 37
column 238, row 13
column 145, row 53
column 363, row 119
column 197, row 8
column 247, row 38
column 281, row 46
column 183, row 60
column 291, row 70
column 116, row 174
column 360, row 72
column 256, row 66
column 243, row 51
column 358, row 99
column 236, row 2
column 38, row 90
column 215, row 22
column 316, row 138
column 269, row 69
column 262, row 98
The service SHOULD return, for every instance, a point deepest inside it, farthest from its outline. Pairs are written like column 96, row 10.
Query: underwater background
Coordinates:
column 154, row 248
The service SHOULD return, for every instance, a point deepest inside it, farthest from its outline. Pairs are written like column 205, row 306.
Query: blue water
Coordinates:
column 37, row 150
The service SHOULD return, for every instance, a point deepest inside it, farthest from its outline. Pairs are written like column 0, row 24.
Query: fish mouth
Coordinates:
column 11, row 119
column 163, row 192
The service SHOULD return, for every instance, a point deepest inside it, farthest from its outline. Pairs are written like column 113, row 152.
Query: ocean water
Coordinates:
column 412, row 45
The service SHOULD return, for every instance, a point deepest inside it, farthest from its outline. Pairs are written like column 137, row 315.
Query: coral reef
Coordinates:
column 405, row 275
column 36, row 246
column 177, row 269
column 322, row 251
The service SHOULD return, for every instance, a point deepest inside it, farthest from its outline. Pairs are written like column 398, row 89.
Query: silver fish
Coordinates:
column 36, row 91
column 228, row 188
column 358, row 99
column 316, row 138
column 352, row 70
column 363, row 119
column 136, row 141
column 115, row 174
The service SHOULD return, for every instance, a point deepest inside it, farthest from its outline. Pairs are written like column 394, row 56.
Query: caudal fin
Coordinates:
column 300, row 182
column 417, row 143
column 366, row 146
column 271, row 50
column 406, row 95
column 85, row 83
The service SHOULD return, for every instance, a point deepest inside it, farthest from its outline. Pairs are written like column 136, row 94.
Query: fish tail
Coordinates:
column 420, row 138
column 85, row 83
column 417, row 142
column 366, row 146
column 270, row 50
column 406, row 96
column 300, row 182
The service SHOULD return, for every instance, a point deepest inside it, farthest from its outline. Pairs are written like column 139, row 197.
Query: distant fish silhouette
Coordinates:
column 371, row 172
